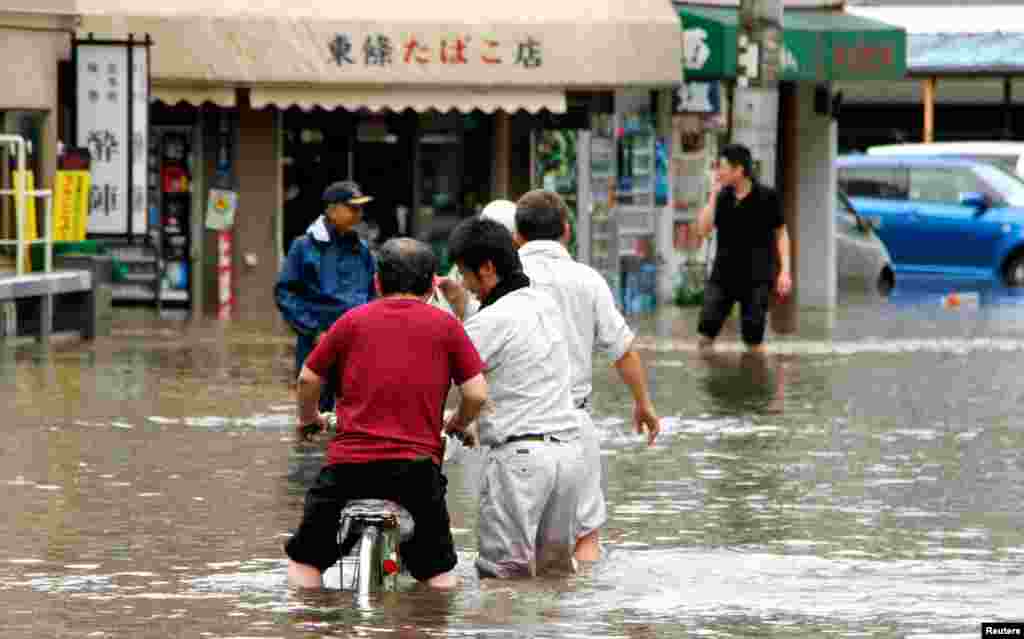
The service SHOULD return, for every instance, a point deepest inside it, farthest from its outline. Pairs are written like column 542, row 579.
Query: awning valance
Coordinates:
column 527, row 43
column 462, row 99
column 194, row 95
column 818, row 45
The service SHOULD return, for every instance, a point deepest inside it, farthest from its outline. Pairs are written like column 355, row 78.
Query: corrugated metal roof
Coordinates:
column 975, row 53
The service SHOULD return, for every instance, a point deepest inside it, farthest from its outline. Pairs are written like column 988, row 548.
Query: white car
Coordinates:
column 1008, row 155
column 862, row 261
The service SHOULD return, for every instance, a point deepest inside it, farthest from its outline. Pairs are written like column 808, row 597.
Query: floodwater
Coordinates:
column 862, row 480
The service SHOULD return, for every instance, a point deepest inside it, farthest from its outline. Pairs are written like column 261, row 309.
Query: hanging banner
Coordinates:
column 112, row 106
column 102, row 127
column 140, row 138
column 70, row 205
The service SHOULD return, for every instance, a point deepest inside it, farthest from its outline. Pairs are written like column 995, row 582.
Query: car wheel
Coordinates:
column 1014, row 271
column 886, row 281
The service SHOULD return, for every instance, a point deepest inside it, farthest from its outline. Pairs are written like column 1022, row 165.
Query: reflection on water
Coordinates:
column 863, row 479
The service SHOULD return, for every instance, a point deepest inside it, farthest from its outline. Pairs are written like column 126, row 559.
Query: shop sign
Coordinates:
column 815, row 46
column 862, row 59
column 383, row 50
column 70, row 205
column 112, row 122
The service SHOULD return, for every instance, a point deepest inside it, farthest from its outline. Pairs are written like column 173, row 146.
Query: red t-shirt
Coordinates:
column 396, row 359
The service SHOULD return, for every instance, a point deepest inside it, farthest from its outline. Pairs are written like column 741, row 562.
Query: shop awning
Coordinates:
column 172, row 95
column 818, row 45
column 515, row 46
column 462, row 99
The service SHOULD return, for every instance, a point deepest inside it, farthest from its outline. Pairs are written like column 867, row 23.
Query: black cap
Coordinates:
column 346, row 192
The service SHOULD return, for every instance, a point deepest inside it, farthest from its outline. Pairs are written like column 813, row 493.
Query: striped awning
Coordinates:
column 462, row 99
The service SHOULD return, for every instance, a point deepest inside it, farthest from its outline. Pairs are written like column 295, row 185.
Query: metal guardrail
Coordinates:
column 21, row 199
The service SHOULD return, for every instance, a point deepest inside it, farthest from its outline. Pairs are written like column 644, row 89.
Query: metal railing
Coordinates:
column 22, row 196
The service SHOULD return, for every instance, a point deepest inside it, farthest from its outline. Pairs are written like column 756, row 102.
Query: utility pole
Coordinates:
column 756, row 101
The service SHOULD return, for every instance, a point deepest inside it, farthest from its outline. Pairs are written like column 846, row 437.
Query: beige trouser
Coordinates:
column 528, row 508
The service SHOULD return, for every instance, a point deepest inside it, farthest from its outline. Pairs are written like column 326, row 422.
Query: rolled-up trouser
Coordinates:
column 592, row 512
column 754, row 299
column 304, row 345
column 528, row 501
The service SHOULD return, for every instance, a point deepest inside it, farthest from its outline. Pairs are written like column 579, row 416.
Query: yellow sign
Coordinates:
column 70, row 205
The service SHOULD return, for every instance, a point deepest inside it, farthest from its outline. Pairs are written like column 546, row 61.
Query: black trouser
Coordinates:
column 417, row 485
column 754, row 299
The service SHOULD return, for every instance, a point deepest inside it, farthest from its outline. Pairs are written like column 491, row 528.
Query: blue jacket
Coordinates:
column 324, row 276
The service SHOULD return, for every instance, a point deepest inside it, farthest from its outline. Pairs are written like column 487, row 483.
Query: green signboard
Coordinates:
column 818, row 45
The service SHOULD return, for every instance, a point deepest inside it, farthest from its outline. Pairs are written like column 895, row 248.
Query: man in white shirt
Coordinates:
column 594, row 323
column 534, row 469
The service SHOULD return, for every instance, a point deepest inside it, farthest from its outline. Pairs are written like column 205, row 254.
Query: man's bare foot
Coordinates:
column 304, row 576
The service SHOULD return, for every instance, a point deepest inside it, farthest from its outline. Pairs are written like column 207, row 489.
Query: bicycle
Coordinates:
column 369, row 534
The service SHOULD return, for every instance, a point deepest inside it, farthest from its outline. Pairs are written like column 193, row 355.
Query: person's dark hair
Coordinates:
column 739, row 155
column 477, row 240
column 541, row 215
column 405, row 266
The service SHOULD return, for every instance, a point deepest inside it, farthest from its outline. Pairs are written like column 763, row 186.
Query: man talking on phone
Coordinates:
column 752, row 258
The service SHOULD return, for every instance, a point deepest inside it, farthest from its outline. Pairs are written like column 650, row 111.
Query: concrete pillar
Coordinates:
column 812, row 220
column 260, row 200
column 502, row 155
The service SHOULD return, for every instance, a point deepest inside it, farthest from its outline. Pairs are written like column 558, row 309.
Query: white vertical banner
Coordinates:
column 140, row 139
column 102, row 127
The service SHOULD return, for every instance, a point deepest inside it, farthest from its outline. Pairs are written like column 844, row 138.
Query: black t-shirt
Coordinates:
column 746, row 236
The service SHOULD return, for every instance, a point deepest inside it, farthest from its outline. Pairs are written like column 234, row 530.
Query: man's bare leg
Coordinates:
column 304, row 575
column 588, row 547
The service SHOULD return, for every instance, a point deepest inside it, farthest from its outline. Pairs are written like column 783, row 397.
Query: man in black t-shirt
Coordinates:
column 752, row 260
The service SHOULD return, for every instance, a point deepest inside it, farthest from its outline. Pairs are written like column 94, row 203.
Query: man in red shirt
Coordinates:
column 396, row 358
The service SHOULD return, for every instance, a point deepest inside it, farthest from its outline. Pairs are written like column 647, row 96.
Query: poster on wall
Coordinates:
column 112, row 122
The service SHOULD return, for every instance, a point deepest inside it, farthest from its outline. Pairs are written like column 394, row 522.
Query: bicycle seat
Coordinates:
column 379, row 512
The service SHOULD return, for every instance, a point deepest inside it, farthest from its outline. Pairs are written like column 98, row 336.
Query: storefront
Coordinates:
column 428, row 106
column 32, row 45
column 820, row 47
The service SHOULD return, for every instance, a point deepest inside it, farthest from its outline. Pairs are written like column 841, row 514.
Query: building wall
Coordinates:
column 28, row 76
column 260, row 201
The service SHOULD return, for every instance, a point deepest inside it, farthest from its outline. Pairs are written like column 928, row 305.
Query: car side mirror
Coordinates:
column 977, row 201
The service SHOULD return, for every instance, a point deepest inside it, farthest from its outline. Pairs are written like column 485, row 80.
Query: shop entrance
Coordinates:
column 383, row 161
column 316, row 153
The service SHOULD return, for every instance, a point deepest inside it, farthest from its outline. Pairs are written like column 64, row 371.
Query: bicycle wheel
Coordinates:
column 367, row 575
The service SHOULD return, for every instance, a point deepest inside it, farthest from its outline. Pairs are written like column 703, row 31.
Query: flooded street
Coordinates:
column 863, row 480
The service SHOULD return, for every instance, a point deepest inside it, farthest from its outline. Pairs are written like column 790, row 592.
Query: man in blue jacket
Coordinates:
column 329, row 270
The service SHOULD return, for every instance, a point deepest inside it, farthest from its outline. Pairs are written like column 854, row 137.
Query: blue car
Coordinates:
column 941, row 215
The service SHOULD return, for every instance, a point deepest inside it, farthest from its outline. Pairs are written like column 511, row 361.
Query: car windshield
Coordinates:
column 1009, row 186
